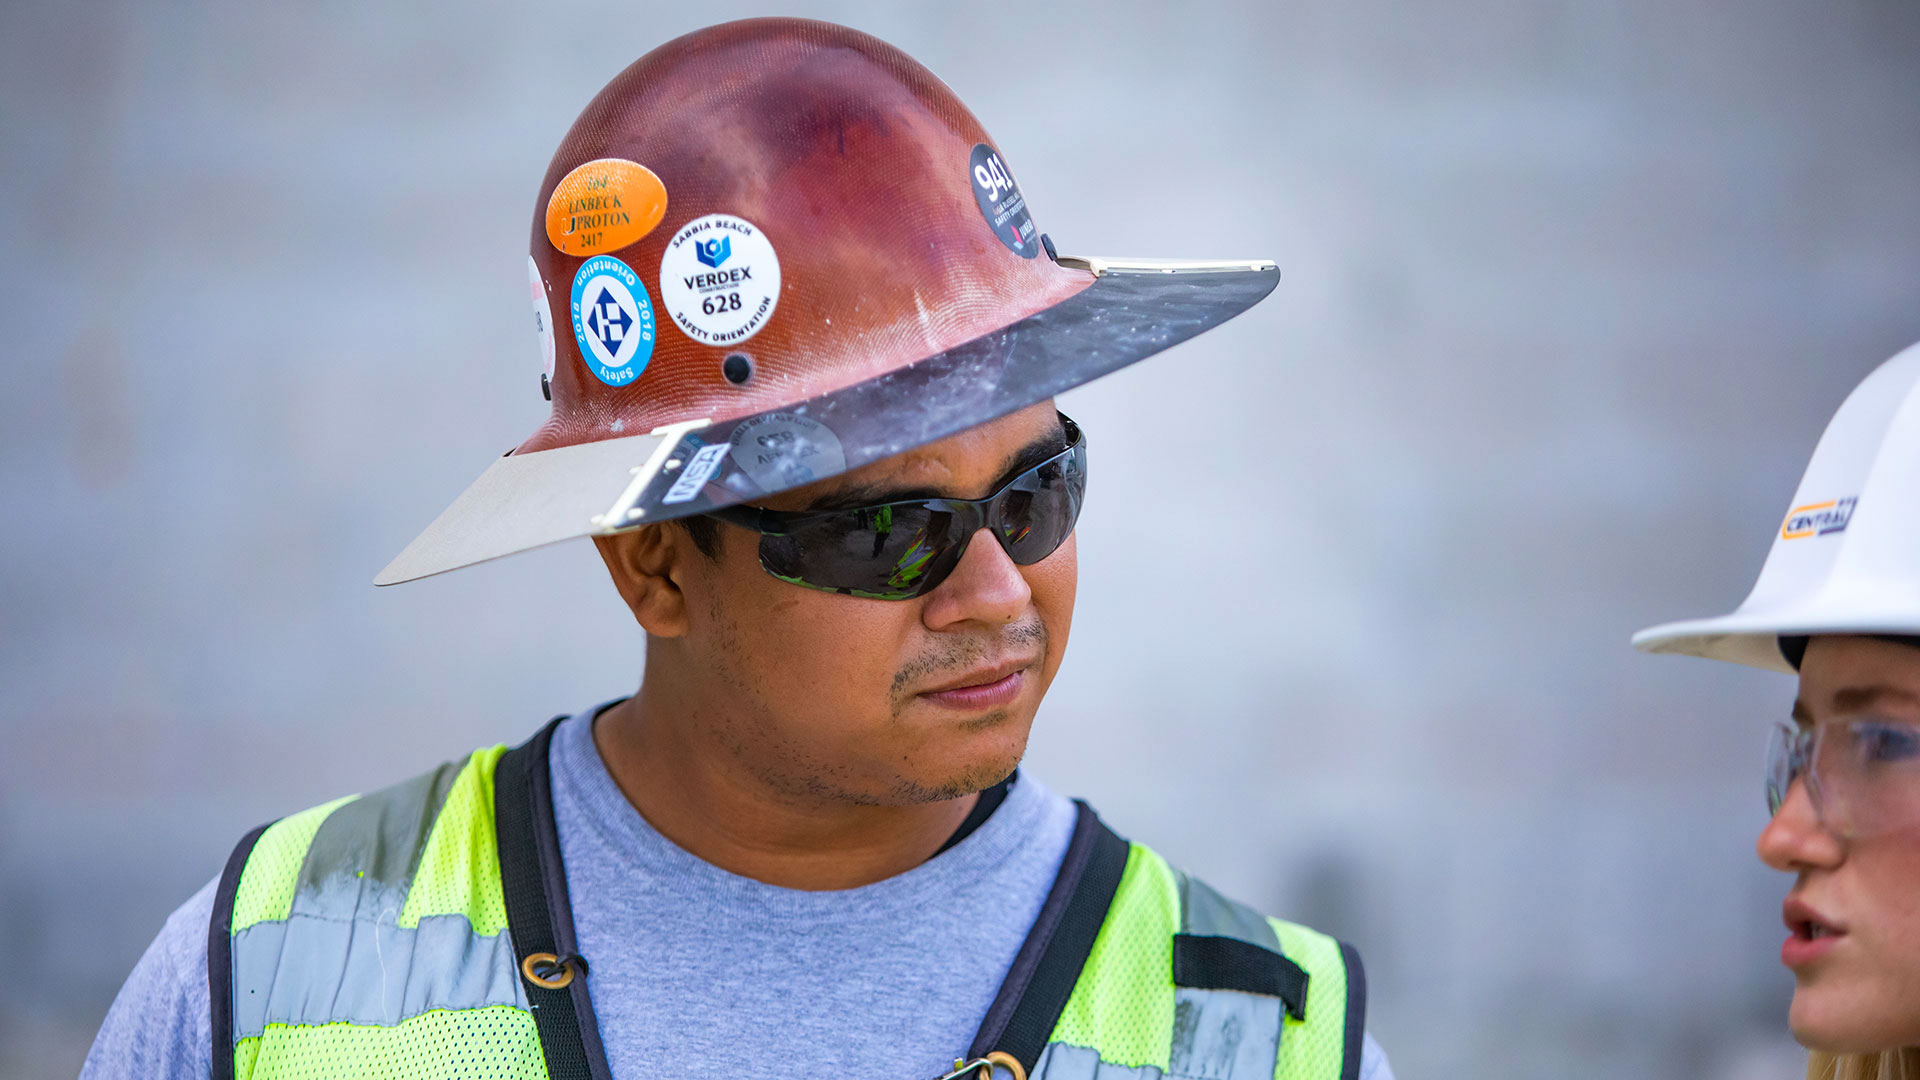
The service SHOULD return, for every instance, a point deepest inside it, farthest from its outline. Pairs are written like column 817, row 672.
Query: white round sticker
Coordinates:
column 784, row 450
column 542, row 315
column 719, row 279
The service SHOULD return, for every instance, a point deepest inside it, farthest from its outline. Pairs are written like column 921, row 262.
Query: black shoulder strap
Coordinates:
column 1356, row 1012
column 220, row 955
column 1043, row 974
column 539, row 915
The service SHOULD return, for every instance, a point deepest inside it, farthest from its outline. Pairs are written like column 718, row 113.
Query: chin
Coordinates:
column 987, row 756
column 1863, row 1023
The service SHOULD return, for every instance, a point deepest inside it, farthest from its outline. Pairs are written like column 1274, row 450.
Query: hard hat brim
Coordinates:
column 1728, row 637
column 1132, row 310
column 1753, row 638
column 523, row 501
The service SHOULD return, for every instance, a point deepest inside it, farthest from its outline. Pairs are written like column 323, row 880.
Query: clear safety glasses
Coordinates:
column 900, row 550
column 1862, row 774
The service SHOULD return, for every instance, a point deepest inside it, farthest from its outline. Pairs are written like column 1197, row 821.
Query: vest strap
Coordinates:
column 1203, row 962
column 1356, row 1012
column 1048, row 965
column 220, row 954
column 539, row 914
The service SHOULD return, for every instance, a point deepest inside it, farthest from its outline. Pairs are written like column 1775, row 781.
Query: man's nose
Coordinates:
column 986, row 587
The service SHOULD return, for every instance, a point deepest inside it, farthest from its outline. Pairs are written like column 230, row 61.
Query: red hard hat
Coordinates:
column 775, row 250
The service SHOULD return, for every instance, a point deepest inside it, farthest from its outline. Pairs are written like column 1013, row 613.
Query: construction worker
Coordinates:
column 802, row 339
column 1838, row 602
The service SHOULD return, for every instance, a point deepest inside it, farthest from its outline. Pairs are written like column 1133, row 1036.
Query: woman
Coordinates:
column 1838, row 601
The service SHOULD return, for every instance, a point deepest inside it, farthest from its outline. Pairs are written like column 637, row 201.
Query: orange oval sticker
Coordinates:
column 603, row 206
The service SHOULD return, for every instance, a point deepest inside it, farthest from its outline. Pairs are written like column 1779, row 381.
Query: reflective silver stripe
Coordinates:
column 1204, row 911
column 1224, row 1035
column 310, row 970
column 364, row 855
column 1064, row 1061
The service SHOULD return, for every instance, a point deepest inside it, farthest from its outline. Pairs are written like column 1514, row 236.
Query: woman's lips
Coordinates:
column 997, row 693
column 1811, row 936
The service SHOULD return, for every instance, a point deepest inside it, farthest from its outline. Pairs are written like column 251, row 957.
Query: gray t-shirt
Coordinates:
column 700, row 972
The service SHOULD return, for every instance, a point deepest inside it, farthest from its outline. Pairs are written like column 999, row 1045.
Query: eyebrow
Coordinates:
column 1856, row 698
column 1034, row 453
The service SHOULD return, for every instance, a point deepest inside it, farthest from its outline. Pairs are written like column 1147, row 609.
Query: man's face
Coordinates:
column 822, row 695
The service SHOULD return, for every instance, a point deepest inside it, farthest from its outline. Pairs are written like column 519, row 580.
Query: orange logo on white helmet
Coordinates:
column 1818, row 519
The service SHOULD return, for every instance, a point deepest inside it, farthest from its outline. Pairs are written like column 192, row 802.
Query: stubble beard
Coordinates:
column 786, row 766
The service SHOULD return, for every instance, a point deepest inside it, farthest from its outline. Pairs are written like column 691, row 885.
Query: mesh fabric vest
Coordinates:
column 369, row 937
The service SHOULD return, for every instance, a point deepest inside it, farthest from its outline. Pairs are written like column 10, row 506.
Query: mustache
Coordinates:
column 963, row 653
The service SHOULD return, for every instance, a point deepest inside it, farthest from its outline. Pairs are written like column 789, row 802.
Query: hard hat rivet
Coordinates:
column 1047, row 243
column 671, row 465
column 546, row 387
column 635, row 512
column 737, row 367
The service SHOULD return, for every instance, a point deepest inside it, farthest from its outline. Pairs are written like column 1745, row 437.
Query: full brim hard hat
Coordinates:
column 1846, row 558
column 527, row 500
column 893, row 290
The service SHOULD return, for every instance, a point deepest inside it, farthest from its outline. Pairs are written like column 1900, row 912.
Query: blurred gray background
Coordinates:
column 1570, row 290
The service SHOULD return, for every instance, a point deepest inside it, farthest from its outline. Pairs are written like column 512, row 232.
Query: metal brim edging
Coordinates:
column 1134, row 309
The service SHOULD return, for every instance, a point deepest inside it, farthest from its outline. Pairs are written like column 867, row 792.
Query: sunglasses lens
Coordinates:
column 887, row 552
column 1037, row 514
column 902, row 550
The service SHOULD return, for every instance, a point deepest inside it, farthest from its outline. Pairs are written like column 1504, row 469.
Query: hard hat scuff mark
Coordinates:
column 926, row 321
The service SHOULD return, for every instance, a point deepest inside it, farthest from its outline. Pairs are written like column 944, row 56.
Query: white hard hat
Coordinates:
column 1847, row 557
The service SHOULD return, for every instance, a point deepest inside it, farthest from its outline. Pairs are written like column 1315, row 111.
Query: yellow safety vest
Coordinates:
column 423, row 931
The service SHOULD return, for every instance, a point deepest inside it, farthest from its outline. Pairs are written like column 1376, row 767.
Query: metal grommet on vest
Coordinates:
column 1002, row 1060
column 982, row 1068
column 544, row 969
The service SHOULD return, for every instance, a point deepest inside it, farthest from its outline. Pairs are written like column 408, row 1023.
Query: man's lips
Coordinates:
column 1811, row 934
column 983, row 688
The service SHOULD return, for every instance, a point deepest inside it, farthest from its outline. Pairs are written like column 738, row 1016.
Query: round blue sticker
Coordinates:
column 612, row 320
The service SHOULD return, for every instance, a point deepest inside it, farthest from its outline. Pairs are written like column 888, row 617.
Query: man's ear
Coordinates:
column 645, row 564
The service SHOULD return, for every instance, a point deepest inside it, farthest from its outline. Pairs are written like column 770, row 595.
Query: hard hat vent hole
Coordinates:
column 737, row 367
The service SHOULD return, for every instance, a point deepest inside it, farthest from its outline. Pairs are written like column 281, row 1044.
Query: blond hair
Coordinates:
column 1891, row 1065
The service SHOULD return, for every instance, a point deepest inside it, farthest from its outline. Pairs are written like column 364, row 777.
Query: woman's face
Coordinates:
column 1854, row 911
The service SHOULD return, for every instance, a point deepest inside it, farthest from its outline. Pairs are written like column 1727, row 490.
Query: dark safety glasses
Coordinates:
column 900, row 550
